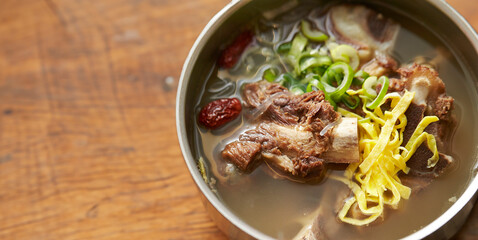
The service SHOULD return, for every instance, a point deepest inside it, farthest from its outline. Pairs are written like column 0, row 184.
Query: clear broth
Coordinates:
column 279, row 207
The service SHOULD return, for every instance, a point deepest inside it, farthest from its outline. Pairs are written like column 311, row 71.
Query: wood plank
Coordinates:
column 88, row 143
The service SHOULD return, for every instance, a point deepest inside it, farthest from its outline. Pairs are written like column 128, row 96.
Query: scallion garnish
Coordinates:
column 312, row 34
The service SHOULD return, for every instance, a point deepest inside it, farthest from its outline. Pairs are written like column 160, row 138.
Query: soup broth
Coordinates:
column 279, row 207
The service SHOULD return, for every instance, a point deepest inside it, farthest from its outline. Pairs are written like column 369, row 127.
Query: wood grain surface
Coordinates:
column 88, row 146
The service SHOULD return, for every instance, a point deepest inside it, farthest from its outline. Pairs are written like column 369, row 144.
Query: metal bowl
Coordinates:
column 437, row 15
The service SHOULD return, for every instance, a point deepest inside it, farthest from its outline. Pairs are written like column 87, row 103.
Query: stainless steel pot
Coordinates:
column 435, row 14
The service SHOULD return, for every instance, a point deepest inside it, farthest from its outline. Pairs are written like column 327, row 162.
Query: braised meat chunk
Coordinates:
column 293, row 131
column 430, row 100
column 243, row 154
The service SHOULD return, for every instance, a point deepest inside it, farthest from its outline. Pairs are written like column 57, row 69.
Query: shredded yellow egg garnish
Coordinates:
column 374, row 180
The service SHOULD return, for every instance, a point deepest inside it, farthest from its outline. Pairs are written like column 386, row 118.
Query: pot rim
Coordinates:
column 208, row 30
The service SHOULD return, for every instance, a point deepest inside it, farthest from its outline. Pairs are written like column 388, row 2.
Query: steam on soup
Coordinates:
column 325, row 124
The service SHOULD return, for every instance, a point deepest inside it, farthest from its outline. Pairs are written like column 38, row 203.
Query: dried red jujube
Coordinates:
column 233, row 52
column 219, row 112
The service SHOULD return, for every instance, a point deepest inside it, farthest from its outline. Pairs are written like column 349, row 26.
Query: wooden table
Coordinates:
column 88, row 146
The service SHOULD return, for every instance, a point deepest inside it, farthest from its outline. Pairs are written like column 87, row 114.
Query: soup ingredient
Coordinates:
column 367, row 30
column 333, row 75
column 346, row 53
column 312, row 34
column 256, row 95
column 219, row 112
column 233, row 52
column 381, row 65
column 389, row 153
column 270, row 75
column 429, row 88
column 298, row 45
column 411, row 155
column 245, row 155
column 383, row 158
column 329, row 67
column 430, row 100
column 375, row 181
column 293, row 134
column 314, row 71
column 371, row 84
column 344, row 148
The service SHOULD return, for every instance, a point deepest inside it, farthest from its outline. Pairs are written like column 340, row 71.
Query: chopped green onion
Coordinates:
column 288, row 80
column 311, row 52
column 369, row 86
column 360, row 77
column 346, row 53
column 309, row 77
column 345, row 82
column 327, row 82
column 351, row 102
column 318, row 70
column 330, row 77
column 361, row 74
column 298, row 45
column 385, row 82
column 327, row 77
column 314, row 62
column 284, row 48
column 312, row 34
column 312, row 86
column 270, row 75
column 296, row 90
column 338, row 77
column 315, row 85
column 357, row 82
